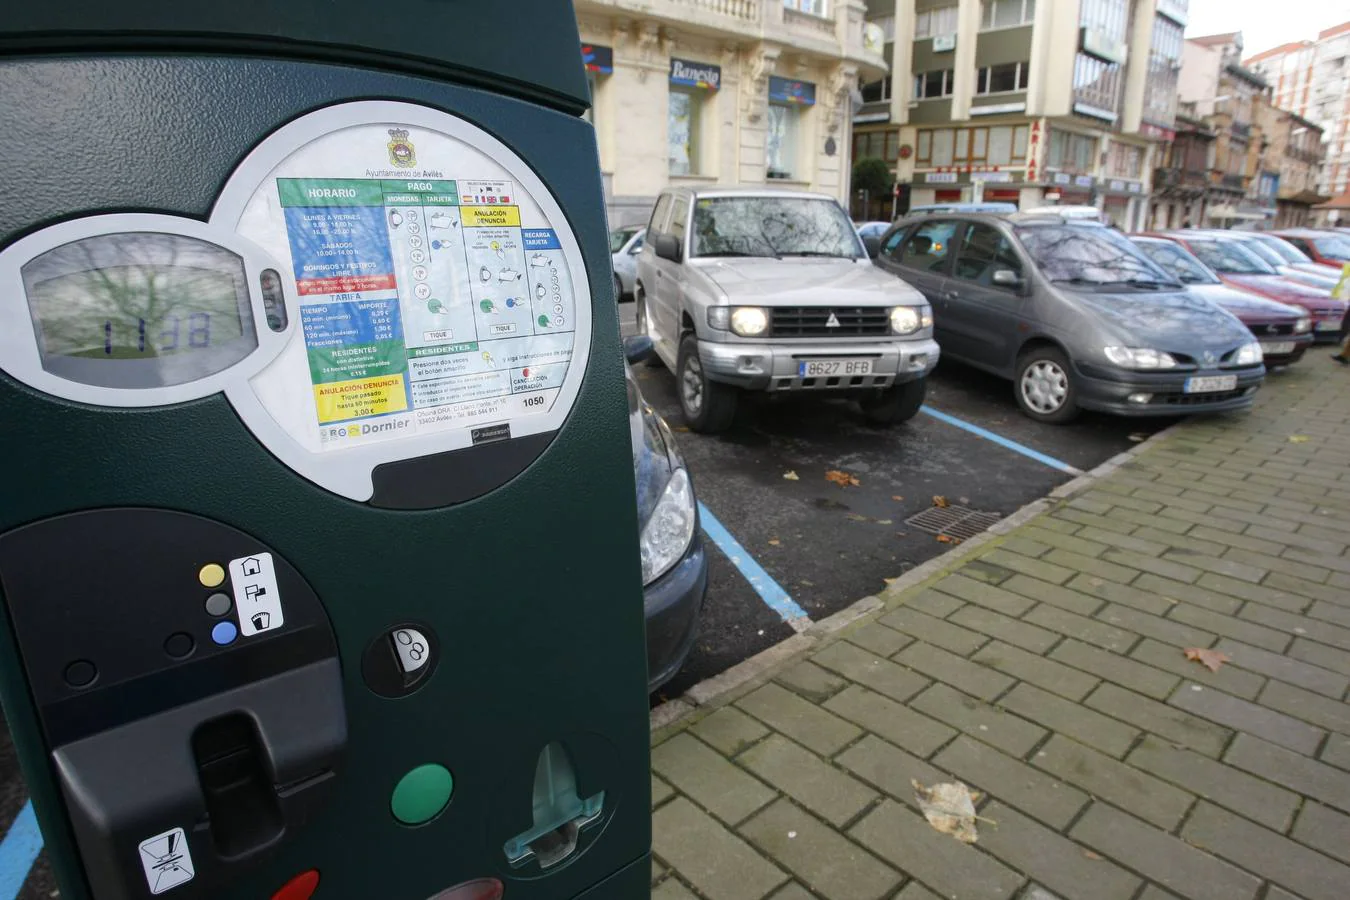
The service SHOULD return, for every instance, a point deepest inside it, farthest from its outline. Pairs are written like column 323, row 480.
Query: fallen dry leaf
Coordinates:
column 950, row 809
column 896, row 497
column 680, row 428
column 843, row 479
column 1210, row 659
column 856, row 518
column 1137, row 437
column 1090, row 855
column 941, row 502
column 1298, row 439
column 884, row 522
column 791, row 476
column 775, row 542
column 948, row 539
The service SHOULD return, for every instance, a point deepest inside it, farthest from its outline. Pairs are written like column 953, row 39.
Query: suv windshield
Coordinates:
column 772, row 226
column 1229, row 257
column 1089, row 254
column 1174, row 258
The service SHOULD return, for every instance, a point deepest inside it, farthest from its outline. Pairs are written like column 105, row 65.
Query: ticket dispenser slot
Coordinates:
column 177, row 768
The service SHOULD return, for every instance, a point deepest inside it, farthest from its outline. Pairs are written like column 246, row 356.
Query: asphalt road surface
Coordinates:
column 827, row 545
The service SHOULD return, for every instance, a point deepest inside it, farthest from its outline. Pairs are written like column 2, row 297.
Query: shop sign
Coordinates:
column 997, row 177
column 598, row 59
column 944, row 43
column 940, row 178
column 787, row 90
column 1083, row 181
column 695, row 74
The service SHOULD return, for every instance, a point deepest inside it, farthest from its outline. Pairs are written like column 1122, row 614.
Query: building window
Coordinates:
column 780, row 143
column 876, row 91
column 1097, row 83
column 877, row 144
column 1002, row 79
column 935, row 22
column 1124, row 161
column 998, row 145
column 1164, row 58
column 1071, row 152
column 812, row 7
column 1007, row 13
column 682, row 132
column 931, row 85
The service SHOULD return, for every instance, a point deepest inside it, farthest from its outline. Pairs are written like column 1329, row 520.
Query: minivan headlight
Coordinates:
column 1249, row 355
column 670, row 527
column 749, row 321
column 1139, row 358
column 905, row 320
column 1303, row 326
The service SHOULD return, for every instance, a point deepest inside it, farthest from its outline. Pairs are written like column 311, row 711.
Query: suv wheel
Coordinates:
column 895, row 404
column 1044, row 386
column 708, row 407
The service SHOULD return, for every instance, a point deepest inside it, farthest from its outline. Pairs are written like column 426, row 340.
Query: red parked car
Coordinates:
column 1242, row 269
column 1329, row 248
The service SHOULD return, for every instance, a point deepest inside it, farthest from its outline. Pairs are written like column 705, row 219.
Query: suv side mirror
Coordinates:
column 1007, row 278
column 667, row 246
column 638, row 348
column 873, row 245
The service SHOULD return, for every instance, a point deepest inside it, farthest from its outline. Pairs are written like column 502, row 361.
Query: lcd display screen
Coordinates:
column 139, row 309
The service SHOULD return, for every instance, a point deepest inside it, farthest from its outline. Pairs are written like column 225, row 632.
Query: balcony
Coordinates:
column 1241, row 130
column 1230, row 182
column 1180, row 181
column 841, row 34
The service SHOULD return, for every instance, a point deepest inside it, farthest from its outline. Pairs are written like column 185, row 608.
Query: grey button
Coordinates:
column 219, row 604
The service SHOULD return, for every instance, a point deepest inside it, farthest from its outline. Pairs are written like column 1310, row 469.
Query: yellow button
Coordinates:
column 211, row 575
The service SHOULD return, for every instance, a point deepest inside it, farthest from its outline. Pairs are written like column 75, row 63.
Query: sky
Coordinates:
column 1263, row 23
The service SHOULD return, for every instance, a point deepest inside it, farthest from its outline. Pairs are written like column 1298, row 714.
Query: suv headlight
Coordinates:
column 1139, row 358
column 905, row 320
column 670, row 527
column 749, row 321
column 1249, row 355
column 719, row 317
column 1303, row 326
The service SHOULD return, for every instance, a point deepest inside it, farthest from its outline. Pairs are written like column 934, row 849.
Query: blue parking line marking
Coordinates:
column 1001, row 441
column 770, row 591
column 21, row 846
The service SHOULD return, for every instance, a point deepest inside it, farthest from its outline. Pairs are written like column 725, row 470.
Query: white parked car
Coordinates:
column 1077, row 213
column 625, row 244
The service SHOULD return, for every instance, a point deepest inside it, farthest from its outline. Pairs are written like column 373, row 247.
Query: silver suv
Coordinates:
column 768, row 290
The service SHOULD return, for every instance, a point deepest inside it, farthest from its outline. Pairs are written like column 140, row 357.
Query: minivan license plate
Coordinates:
column 824, row 368
column 1278, row 348
column 1212, row 384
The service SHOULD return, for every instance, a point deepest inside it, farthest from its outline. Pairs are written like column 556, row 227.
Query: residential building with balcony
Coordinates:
column 1027, row 101
column 1312, row 80
column 1215, row 88
column 735, row 92
column 1181, row 181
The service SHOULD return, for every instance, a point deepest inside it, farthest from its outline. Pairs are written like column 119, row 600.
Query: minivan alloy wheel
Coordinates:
column 1045, row 386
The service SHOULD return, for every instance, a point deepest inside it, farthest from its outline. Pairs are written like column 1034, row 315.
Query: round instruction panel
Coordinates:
column 442, row 301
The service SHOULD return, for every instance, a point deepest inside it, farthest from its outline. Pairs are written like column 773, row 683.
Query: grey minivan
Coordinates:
column 1074, row 314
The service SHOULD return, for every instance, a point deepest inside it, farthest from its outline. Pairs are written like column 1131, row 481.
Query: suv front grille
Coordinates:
column 1267, row 330
column 814, row 321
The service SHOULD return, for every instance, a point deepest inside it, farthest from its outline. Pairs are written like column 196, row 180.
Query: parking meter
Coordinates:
column 318, row 541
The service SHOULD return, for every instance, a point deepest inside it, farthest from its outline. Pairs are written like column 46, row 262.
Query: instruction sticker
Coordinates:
column 166, row 861
column 255, row 594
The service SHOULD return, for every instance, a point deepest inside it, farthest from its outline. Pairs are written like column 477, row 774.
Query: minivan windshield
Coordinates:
column 1333, row 248
column 1230, row 258
column 1174, row 258
column 773, row 227
column 1090, row 254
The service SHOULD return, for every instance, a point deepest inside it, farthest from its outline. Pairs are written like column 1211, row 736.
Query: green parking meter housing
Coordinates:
column 318, row 558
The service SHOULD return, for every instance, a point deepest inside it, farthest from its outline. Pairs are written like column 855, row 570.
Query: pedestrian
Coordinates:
column 1186, row 223
column 1342, row 355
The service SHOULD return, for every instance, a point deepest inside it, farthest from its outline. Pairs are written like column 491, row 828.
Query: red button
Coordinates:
column 301, row 887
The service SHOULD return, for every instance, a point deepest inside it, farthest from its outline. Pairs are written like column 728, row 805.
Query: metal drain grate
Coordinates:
column 953, row 521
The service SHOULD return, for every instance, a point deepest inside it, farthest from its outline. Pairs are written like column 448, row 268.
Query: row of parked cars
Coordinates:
column 763, row 290
column 766, row 290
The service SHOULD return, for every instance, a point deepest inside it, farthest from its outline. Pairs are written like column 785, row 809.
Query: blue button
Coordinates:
column 224, row 633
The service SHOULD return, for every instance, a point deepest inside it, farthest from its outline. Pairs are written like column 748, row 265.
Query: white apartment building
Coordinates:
column 734, row 92
column 1312, row 79
column 1026, row 101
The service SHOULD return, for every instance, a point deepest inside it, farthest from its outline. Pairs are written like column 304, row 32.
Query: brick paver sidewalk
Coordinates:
column 1046, row 669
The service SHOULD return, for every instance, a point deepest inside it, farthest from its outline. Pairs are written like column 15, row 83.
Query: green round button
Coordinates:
column 420, row 795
